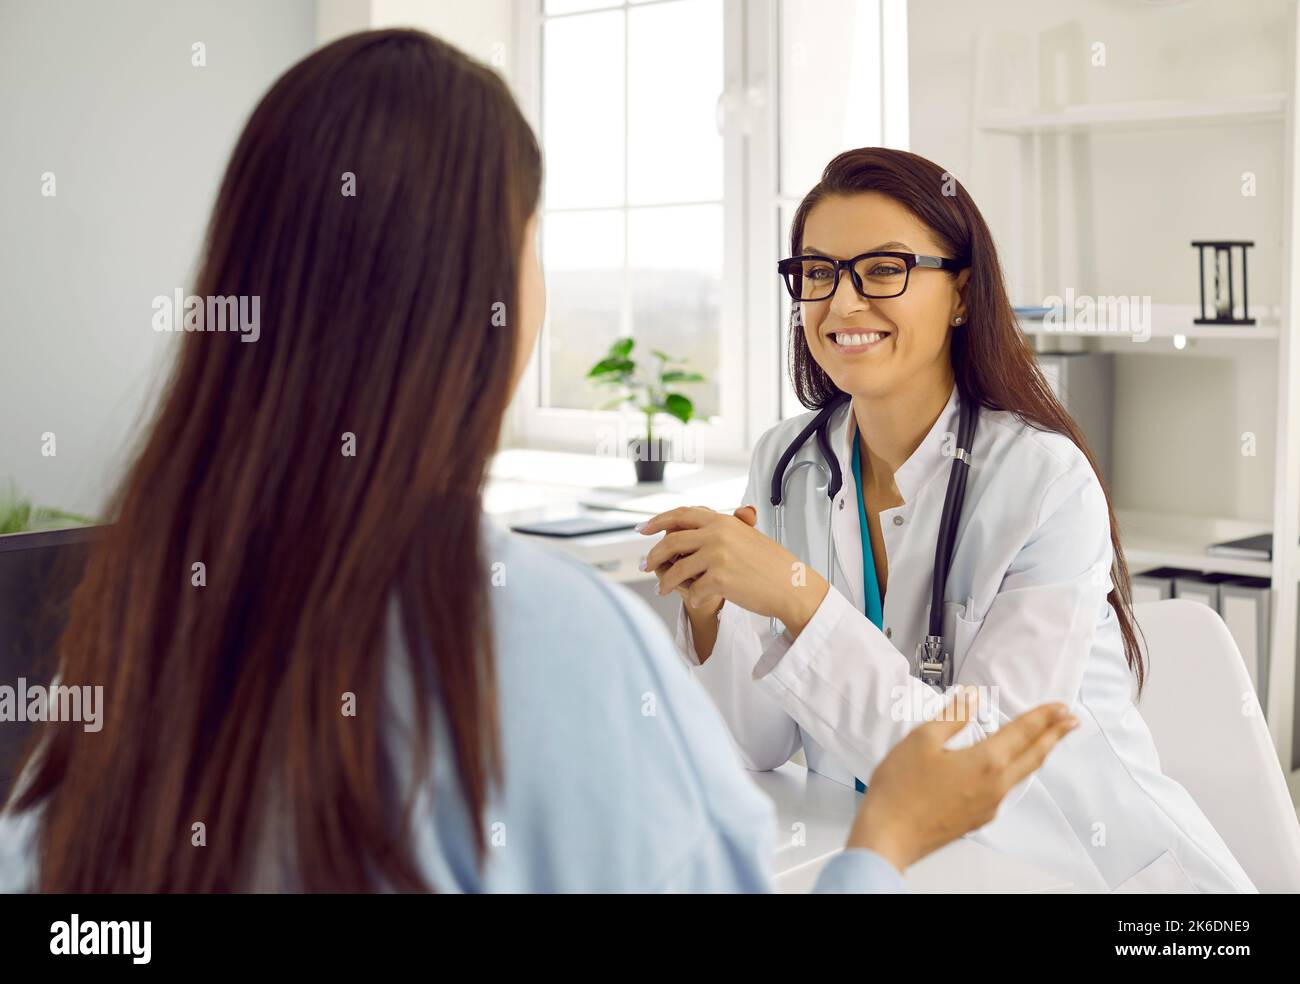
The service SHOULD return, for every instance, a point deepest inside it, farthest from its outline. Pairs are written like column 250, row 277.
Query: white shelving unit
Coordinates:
column 1263, row 108
column 1167, row 538
column 1168, row 322
column 1164, row 540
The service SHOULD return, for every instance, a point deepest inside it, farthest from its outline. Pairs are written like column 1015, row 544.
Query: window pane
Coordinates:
column 790, row 405
column 570, row 6
column 582, row 110
column 675, row 271
column 675, row 75
column 584, row 286
column 830, row 85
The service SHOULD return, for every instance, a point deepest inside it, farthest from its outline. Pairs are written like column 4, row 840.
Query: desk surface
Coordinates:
column 522, row 479
column 814, row 815
column 526, row 486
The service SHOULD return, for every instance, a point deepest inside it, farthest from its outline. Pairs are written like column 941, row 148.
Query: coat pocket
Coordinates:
column 1164, row 875
column 960, row 632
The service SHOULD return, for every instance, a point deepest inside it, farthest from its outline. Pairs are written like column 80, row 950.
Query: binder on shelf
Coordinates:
column 1245, row 604
column 1258, row 547
column 1157, row 584
column 1201, row 587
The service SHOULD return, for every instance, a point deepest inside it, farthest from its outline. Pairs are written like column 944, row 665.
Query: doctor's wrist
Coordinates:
column 802, row 601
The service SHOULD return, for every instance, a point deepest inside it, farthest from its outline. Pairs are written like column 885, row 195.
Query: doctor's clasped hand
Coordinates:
column 710, row 557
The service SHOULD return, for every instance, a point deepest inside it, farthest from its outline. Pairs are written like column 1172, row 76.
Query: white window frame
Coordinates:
column 754, row 390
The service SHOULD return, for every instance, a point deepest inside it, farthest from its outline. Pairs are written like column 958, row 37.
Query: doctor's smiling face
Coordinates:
column 871, row 347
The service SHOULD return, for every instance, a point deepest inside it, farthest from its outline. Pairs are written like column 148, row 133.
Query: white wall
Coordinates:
column 335, row 18
column 104, row 96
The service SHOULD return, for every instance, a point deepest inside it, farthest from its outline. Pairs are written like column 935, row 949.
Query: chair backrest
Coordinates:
column 1210, row 733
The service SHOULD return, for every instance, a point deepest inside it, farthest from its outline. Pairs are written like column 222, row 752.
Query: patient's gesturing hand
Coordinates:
column 924, row 795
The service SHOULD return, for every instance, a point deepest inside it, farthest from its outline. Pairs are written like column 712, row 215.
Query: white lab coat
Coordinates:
column 1025, row 612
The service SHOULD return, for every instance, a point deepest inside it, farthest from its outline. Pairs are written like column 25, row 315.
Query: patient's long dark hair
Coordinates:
column 319, row 473
column 991, row 359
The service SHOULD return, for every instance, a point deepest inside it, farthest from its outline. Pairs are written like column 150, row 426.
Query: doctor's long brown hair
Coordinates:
column 377, row 324
column 992, row 361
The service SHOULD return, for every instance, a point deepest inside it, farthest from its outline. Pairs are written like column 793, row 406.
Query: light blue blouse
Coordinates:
column 619, row 775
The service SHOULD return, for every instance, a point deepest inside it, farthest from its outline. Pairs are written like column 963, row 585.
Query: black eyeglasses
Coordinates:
column 875, row 275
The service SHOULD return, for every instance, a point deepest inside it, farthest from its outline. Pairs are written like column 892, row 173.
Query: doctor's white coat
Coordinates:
column 1025, row 617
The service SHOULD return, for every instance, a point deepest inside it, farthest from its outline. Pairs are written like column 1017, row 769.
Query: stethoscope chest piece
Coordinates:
column 933, row 663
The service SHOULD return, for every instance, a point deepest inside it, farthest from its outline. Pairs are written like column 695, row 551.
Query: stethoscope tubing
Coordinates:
column 954, row 496
column 953, row 500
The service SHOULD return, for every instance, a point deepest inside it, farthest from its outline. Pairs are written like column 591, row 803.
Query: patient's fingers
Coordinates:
column 1032, row 757
column 1020, row 747
column 1014, row 738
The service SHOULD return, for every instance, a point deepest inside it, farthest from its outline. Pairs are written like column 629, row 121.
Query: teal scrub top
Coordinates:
column 870, row 583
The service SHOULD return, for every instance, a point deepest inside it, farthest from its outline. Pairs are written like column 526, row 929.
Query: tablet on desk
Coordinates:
column 570, row 526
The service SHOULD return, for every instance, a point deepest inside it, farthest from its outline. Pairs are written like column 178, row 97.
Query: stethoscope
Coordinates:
column 934, row 665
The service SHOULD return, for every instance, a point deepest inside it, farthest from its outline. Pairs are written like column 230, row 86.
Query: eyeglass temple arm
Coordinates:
column 940, row 263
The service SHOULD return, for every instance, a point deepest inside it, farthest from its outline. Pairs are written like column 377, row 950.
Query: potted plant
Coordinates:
column 650, row 393
column 18, row 515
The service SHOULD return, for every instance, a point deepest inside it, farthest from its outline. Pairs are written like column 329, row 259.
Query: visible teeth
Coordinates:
column 843, row 338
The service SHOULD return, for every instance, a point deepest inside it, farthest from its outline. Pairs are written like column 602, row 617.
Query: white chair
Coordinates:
column 1193, row 703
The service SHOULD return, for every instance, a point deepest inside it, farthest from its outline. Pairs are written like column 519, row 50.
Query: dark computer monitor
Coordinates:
column 38, row 572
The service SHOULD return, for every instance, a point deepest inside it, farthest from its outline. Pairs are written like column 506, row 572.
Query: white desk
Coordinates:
column 814, row 815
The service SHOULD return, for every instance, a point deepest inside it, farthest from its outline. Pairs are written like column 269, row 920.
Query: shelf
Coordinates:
column 1167, row 320
column 1262, row 108
column 1164, row 540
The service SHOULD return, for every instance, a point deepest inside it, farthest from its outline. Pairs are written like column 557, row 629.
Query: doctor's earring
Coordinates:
column 958, row 320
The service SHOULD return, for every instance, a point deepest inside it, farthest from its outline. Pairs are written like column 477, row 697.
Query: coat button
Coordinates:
column 889, row 633
column 898, row 520
column 841, row 503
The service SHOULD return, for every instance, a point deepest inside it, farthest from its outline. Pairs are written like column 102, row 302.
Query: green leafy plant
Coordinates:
column 651, row 391
column 18, row 515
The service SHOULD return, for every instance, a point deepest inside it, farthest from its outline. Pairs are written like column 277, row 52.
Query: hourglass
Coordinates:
column 1219, row 307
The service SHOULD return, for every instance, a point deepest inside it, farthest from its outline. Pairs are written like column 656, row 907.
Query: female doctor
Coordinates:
column 899, row 303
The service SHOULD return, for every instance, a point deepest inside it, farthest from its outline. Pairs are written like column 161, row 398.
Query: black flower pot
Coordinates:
column 649, row 457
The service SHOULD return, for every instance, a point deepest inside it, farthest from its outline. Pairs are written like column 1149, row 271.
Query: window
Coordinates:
column 633, row 199
column 839, row 88
column 679, row 135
